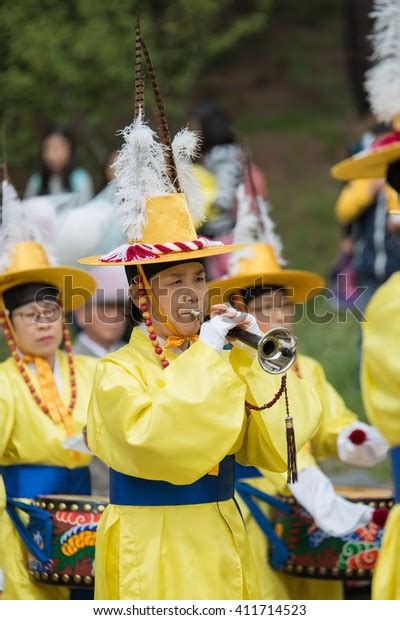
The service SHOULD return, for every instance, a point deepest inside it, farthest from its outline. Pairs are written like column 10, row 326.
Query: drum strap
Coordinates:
column 28, row 481
column 246, row 471
column 39, row 520
column 395, row 455
column 131, row 491
column 279, row 553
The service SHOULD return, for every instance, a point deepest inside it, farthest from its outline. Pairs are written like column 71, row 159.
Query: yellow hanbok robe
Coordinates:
column 380, row 383
column 2, row 506
column 28, row 436
column 335, row 416
column 176, row 425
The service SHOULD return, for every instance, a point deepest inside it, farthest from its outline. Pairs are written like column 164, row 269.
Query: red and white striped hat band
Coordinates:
column 144, row 251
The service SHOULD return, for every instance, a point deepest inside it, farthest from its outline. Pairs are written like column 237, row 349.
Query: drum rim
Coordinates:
column 57, row 503
column 71, row 581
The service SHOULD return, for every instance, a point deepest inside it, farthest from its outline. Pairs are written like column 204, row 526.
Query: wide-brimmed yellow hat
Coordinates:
column 369, row 164
column 259, row 267
column 168, row 235
column 28, row 263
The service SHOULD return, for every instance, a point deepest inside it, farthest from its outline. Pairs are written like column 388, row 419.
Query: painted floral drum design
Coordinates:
column 319, row 555
column 75, row 521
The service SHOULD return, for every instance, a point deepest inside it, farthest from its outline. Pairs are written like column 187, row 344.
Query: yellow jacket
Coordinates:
column 176, row 425
column 28, row 436
column 335, row 416
column 380, row 383
column 357, row 195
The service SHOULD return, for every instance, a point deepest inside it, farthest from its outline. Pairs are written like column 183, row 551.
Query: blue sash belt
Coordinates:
column 28, row 481
column 246, row 471
column 130, row 491
column 395, row 455
column 279, row 553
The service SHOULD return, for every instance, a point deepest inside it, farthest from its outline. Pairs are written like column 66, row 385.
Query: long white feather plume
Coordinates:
column 139, row 173
column 18, row 225
column 383, row 79
column 253, row 228
column 184, row 149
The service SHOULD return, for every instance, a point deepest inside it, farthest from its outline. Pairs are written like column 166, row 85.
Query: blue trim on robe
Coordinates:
column 395, row 456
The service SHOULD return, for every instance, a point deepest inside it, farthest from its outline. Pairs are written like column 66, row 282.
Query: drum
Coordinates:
column 313, row 553
column 75, row 521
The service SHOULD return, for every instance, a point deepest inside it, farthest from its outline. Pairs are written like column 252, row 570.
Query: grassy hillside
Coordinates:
column 288, row 94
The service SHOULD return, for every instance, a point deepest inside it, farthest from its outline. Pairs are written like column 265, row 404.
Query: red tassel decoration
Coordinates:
column 379, row 516
column 290, row 442
column 290, row 436
column 358, row 437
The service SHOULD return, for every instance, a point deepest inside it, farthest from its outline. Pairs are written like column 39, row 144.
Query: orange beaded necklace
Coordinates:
column 143, row 284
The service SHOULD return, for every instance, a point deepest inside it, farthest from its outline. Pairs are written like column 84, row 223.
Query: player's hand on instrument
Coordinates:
column 244, row 320
column 223, row 318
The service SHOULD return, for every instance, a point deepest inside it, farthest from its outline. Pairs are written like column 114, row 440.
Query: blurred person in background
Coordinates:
column 369, row 250
column 58, row 171
column 113, row 234
column 375, row 234
column 223, row 157
column 102, row 320
column 108, row 191
column 58, row 217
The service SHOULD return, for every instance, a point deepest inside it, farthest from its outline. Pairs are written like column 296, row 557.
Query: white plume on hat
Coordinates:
column 140, row 173
column 252, row 227
column 17, row 227
column 383, row 79
column 56, row 222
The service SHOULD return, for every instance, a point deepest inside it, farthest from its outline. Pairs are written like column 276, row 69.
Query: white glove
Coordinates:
column 252, row 325
column 215, row 331
column 361, row 452
column 333, row 514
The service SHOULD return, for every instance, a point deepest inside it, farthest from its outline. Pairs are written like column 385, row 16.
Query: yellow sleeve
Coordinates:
column 178, row 429
column 380, row 370
column 7, row 412
column 353, row 199
column 6, row 426
column 335, row 416
column 266, row 431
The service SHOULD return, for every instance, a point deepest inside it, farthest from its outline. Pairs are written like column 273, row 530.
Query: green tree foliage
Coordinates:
column 71, row 61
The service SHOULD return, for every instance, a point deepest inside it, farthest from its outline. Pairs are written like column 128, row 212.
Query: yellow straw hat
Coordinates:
column 258, row 266
column 29, row 263
column 372, row 163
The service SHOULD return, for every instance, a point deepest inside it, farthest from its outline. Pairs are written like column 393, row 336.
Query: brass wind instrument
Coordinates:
column 276, row 350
